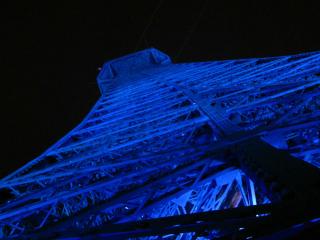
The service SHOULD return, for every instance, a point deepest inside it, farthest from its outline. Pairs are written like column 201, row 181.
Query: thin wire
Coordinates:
column 192, row 29
column 142, row 36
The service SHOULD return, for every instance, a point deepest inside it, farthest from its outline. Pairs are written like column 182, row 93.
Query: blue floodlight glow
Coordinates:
column 142, row 151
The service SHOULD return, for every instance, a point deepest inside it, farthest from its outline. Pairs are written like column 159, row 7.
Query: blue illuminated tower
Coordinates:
column 222, row 149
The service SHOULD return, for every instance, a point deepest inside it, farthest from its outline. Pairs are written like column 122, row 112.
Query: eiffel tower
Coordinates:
column 207, row 150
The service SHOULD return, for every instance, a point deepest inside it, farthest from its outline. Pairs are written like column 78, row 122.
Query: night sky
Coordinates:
column 50, row 53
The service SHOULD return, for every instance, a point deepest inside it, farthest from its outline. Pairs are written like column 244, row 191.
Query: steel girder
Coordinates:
column 151, row 146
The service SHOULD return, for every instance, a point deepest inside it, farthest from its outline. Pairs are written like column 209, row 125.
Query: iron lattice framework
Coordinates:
column 180, row 151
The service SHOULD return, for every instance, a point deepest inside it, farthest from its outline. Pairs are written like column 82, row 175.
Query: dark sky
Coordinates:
column 50, row 53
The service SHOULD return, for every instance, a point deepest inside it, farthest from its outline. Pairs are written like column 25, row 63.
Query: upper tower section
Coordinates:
column 130, row 64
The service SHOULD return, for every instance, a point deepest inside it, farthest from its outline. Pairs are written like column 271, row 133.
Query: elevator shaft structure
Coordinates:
column 208, row 150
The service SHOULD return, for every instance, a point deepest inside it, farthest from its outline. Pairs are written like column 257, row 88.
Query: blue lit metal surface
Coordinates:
column 142, row 150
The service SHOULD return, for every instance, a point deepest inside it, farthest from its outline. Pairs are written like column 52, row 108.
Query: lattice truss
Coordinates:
column 145, row 149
